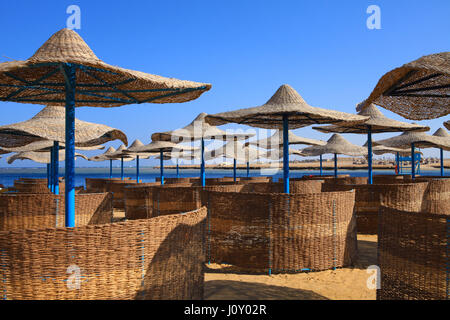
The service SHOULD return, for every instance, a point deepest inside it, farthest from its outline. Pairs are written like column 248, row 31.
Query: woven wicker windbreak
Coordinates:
column 370, row 197
column 95, row 185
column 286, row 101
column 37, row 79
column 437, row 196
column 413, row 255
column 50, row 124
column 34, row 211
column 418, row 90
column 35, row 187
column 117, row 187
column 159, row 258
column 278, row 233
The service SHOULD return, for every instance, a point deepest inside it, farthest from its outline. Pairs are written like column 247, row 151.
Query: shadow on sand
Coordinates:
column 239, row 290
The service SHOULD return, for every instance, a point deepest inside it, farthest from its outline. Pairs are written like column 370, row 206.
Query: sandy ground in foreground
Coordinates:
column 228, row 282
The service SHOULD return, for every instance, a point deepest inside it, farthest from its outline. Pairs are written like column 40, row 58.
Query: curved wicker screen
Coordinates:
column 29, row 211
column 159, row 258
column 413, row 255
column 278, row 233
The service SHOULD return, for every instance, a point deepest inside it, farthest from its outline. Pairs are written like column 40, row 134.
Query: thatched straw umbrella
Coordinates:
column 276, row 141
column 377, row 123
column 120, row 154
column 189, row 156
column 285, row 109
column 40, row 157
column 66, row 62
column 46, row 146
column 447, row 124
column 413, row 140
column 104, row 157
column 238, row 152
column 335, row 145
column 443, row 134
column 49, row 124
column 161, row 147
column 418, row 90
column 137, row 143
column 199, row 129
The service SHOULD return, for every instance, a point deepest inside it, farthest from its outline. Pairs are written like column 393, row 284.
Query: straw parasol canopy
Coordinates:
column 285, row 102
column 49, row 124
column 447, row 124
column 120, row 153
column 198, row 129
column 102, row 157
column 46, row 145
column 158, row 146
column 41, row 157
column 335, row 145
column 99, row 84
column 419, row 139
column 238, row 151
column 276, row 140
column 380, row 150
column 377, row 121
column 417, row 90
column 442, row 133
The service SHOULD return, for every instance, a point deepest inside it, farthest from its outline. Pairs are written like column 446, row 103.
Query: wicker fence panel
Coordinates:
column 278, row 233
column 117, row 187
column 413, row 255
column 158, row 258
column 437, row 197
column 28, row 211
column 388, row 179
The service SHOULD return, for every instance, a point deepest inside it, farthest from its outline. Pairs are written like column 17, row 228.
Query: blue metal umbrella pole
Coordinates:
column 161, row 166
column 50, row 175
column 202, row 165
column 248, row 169
column 56, row 167
column 110, row 168
column 442, row 162
column 369, row 150
column 321, row 168
column 286, row 153
column 234, row 170
column 121, row 168
column 137, row 169
column 413, row 162
column 178, row 170
column 335, row 165
column 397, row 162
column 69, row 73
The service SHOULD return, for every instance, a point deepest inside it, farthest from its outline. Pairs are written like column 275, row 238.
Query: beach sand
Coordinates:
column 225, row 282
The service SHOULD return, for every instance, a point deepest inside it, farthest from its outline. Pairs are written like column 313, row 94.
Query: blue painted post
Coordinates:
column 286, row 153
column 137, row 169
column 56, row 166
column 413, row 162
column 110, row 168
column 48, row 175
column 70, row 145
column 161, row 166
column 202, row 165
column 52, row 163
column 121, row 168
column 369, row 150
column 442, row 162
column 178, row 170
column 335, row 165
column 321, row 168
column 397, row 162
column 248, row 169
column 234, row 170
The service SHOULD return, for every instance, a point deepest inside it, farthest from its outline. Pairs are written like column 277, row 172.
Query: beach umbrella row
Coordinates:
column 377, row 123
column 65, row 71
column 199, row 130
column 285, row 110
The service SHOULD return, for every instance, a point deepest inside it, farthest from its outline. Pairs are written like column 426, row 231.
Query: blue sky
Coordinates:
column 246, row 49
